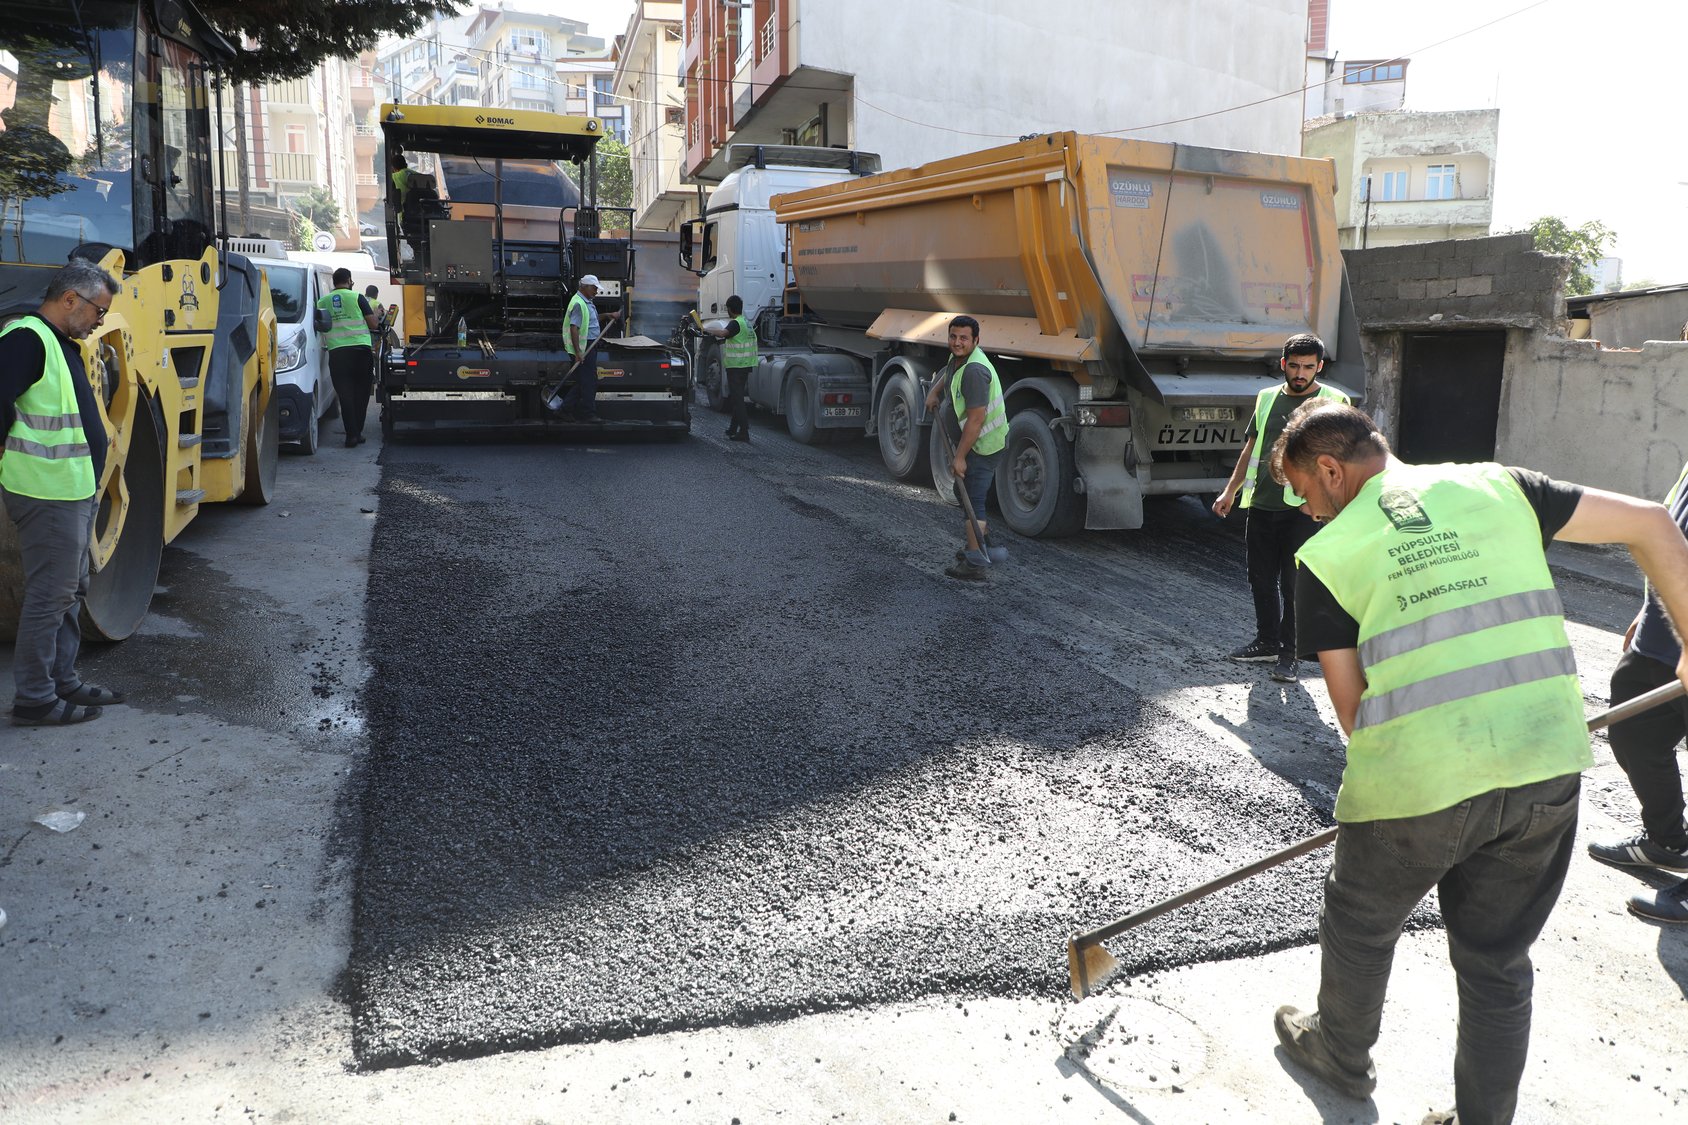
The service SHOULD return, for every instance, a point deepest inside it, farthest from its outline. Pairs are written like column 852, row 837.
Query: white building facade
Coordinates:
column 648, row 87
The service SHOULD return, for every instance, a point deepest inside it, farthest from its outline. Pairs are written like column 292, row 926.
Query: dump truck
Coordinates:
column 1133, row 296
column 107, row 154
column 489, row 236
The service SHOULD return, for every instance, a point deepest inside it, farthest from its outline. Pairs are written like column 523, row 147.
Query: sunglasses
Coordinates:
column 103, row 309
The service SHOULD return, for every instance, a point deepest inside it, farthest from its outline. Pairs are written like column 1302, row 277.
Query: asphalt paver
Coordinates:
column 669, row 737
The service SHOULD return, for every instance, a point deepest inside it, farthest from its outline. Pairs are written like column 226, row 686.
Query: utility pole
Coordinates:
column 240, row 158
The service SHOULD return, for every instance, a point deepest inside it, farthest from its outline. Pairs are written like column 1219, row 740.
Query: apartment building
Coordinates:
column 585, row 86
column 915, row 83
column 648, row 85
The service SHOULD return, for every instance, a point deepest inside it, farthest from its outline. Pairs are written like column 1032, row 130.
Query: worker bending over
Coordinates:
column 1428, row 601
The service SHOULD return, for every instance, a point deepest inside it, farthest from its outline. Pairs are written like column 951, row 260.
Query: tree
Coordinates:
column 1584, row 245
column 292, row 36
column 320, row 207
column 615, row 173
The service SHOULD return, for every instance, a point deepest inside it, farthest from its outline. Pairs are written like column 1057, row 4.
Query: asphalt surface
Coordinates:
column 674, row 736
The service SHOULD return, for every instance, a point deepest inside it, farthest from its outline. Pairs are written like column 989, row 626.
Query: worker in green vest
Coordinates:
column 55, row 455
column 350, row 356
column 975, row 422
column 1276, row 526
column 739, row 355
column 1428, row 601
column 401, row 178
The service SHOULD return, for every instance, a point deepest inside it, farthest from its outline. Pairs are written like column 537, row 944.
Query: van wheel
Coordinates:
column 1035, row 483
column 312, row 439
column 800, row 406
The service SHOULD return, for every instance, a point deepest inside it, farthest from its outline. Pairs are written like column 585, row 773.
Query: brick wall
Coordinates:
column 1496, row 281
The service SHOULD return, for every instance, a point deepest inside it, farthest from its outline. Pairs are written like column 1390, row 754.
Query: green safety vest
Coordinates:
column 348, row 328
column 1470, row 680
column 739, row 350
column 401, row 180
column 577, row 300
column 46, row 449
column 995, row 434
column 1263, row 403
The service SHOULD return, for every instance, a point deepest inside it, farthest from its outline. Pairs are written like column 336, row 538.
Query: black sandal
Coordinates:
column 61, row 712
column 91, row 695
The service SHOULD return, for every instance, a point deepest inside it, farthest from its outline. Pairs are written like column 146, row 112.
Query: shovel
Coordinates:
column 1089, row 964
column 554, row 397
column 992, row 554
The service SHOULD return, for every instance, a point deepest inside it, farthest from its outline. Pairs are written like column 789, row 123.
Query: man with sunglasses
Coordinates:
column 54, row 454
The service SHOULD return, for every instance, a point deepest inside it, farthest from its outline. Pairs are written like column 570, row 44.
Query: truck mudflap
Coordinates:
column 1113, row 494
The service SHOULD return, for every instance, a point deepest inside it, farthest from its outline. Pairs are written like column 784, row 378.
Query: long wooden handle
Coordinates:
column 1626, row 710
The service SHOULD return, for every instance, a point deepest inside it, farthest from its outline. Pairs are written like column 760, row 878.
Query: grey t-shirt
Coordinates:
column 975, row 392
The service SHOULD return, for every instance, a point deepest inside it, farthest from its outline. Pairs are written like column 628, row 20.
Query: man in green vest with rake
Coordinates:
column 351, row 358
column 1276, row 527
column 55, row 454
column 1428, row 601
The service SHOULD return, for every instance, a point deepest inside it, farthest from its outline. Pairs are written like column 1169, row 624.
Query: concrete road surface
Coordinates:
column 658, row 762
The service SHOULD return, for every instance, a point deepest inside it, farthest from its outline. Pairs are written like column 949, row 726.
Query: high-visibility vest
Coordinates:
column 739, row 350
column 578, row 301
column 47, row 453
column 1470, row 680
column 347, row 328
column 401, row 181
column 995, row 434
column 1263, row 403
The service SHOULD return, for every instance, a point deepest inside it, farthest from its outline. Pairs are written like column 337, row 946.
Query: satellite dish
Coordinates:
column 322, row 240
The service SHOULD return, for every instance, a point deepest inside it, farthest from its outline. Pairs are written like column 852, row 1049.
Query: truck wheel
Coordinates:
column 800, row 407
column 1035, row 481
column 939, row 454
column 715, row 382
column 902, row 439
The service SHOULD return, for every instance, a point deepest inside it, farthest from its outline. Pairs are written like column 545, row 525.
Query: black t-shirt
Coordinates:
column 1268, row 493
column 1321, row 624
column 23, row 362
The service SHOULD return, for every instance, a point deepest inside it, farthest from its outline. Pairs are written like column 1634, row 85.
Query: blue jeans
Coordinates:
column 1497, row 862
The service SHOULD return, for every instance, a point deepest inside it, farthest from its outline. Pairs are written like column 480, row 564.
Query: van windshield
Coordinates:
column 287, row 293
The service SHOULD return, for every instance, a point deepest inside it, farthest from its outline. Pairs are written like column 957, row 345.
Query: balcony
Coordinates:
column 294, row 168
column 770, row 36
column 295, row 92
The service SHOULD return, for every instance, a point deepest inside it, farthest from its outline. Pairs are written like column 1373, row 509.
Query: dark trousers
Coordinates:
column 1497, row 862
column 1645, row 747
column 738, row 380
column 1272, row 538
column 582, row 398
column 353, row 372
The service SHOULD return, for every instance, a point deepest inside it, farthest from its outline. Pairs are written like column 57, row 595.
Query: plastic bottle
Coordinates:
column 462, row 333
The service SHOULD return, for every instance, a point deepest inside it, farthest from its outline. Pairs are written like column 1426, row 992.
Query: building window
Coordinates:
column 1394, row 187
column 1357, row 72
column 296, row 141
column 527, row 78
column 1439, row 181
column 603, row 83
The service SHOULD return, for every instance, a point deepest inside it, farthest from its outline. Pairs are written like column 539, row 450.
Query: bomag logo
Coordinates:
column 482, row 119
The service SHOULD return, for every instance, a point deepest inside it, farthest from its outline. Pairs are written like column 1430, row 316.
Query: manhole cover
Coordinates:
column 1132, row 1043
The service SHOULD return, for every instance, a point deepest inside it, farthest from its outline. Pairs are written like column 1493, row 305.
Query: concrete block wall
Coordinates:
column 1497, row 281
column 1612, row 419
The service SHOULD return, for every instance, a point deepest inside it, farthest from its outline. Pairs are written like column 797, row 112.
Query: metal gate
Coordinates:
column 1450, row 396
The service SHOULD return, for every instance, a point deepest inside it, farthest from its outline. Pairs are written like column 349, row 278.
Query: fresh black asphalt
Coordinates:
column 666, row 736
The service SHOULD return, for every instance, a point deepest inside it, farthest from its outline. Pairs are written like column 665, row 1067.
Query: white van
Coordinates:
column 364, row 272
column 302, row 381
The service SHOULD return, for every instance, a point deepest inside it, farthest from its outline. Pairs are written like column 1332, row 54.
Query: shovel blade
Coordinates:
column 1087, row 967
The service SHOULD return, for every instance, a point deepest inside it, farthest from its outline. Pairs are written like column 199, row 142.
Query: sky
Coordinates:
column 1590, row 104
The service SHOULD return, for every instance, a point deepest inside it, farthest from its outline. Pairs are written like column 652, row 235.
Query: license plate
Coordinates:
column 841, row 411
column 1205, row 413
column 1199, row 436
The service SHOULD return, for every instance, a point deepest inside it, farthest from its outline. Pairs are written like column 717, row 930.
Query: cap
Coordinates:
column 589, row 279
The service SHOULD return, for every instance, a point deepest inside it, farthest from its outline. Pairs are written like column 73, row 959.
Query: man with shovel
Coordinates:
column 580, row 337
column 1428, row 601
column 977, row 431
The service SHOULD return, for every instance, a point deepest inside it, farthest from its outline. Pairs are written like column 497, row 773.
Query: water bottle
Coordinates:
column 462, row 334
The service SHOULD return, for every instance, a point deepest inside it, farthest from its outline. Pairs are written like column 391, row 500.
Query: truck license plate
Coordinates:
column 841, row 411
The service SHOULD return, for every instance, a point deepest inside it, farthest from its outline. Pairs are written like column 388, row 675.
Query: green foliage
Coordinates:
column 615, row 174
column 1640, row 283
column 320, row 207
column 1584, row 245
column 304, row 231
column 292, row 36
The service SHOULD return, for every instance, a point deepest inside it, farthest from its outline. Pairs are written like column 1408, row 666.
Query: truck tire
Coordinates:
column 1036, row 481
column 902, row 439
column 800, row 405
column 715, row 382
column 938, row 457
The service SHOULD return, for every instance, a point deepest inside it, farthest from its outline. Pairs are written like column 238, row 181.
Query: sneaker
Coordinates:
column 1255, row 650
column 1669, row 905
column 743, row 436
column 1305, row 1045
column 1284, row 670
column 966, row 571
column 1639, row 851
column 1441, row 1117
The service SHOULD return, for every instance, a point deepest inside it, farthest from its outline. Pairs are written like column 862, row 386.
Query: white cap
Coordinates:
column 589, row 279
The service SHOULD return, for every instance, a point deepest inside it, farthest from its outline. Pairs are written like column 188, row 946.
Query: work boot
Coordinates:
column 1441, row 1117
column 1256, row 651
column 742, row 435
column 1669, row 905
column 966, row 571
column 1640, row 851
column 1305, row 1044
column 1284, row 671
